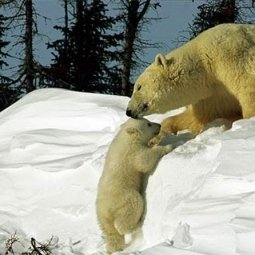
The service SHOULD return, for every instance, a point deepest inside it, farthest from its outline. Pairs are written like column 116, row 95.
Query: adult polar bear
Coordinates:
column 213, row 74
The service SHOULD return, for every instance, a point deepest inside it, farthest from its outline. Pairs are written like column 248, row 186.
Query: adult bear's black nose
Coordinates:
column 129, row 112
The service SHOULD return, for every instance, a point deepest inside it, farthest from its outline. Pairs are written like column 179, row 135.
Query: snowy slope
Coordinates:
column 200, row 200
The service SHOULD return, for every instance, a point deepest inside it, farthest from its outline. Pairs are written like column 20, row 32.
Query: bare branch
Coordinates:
column 17, row 14
column 144, row 10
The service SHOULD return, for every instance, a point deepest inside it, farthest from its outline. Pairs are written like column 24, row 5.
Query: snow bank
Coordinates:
column 200, row 200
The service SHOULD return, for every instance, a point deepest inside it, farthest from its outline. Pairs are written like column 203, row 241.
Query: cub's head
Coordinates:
column 150, row 91
column 142, row 130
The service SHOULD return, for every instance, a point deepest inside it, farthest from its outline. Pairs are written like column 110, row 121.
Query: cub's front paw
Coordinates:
column 154, row 141
column 168, row 148
column 164, row 149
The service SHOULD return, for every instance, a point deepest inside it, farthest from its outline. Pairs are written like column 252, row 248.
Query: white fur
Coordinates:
column 120, row 204
column 213, row 74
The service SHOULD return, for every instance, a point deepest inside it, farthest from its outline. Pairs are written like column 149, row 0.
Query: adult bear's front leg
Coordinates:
column 187, row 120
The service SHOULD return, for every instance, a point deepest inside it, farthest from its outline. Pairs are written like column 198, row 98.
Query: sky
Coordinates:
column 176, row 14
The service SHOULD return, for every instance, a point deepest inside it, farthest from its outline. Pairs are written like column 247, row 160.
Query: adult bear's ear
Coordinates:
column 160, row 60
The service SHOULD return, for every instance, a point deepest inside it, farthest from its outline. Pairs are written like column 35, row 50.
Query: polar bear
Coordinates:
column 213, row 75
column 120, row 204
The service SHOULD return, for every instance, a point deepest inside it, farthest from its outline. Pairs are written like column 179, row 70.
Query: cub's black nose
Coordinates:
column 128, row 113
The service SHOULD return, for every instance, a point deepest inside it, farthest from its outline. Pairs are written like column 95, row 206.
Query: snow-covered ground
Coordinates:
column 200, row 200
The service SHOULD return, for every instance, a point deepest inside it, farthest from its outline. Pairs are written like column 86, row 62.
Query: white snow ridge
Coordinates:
column 200, row 200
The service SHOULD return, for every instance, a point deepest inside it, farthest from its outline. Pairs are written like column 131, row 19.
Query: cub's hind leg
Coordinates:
column 114, row 240
column 128, row 216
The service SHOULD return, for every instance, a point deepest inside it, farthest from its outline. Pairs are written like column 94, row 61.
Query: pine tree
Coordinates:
column 58, row 74
column 6, row 94
column 212, row 13
column 22, row 20
column 28, row 65
column 3, row 44
column 87, row 59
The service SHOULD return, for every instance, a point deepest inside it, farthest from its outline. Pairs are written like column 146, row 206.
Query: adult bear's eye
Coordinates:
column 139, row 88
column 149, row 124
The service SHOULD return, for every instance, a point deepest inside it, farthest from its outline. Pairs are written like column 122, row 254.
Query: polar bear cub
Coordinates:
column 120, row 204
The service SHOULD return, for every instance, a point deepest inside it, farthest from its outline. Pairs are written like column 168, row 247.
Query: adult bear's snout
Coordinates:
column 138, row 113
column 129, row 112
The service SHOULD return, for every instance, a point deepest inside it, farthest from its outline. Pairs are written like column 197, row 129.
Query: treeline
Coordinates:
column 98, row 50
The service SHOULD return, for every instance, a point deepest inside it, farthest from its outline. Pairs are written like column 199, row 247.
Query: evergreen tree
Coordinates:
column 6, row 94
column 86, row 62
column 28, row 63
column 212, row 13
column 3, row 44
column 22, row 20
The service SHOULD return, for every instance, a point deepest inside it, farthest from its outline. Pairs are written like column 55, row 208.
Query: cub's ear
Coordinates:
column 160, row 60
column 131, row 131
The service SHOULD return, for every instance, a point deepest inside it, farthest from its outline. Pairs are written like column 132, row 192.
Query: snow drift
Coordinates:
column 200, row 200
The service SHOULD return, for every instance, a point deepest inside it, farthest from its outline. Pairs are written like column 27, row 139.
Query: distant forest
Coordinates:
column 97, row 52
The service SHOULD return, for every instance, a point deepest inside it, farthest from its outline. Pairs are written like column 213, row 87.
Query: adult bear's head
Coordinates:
column 153, row 89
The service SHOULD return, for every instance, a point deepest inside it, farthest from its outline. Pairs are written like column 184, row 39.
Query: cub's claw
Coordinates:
column 168, row 148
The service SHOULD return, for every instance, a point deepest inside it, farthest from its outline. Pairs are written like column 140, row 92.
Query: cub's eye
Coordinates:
column 149, row 124
column 139, row 88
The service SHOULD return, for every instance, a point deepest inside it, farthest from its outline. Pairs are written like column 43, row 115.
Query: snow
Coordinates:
column 200, row 200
